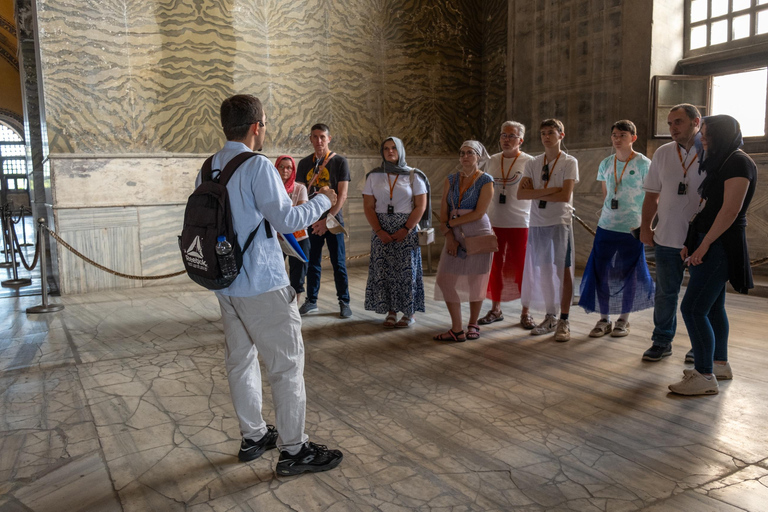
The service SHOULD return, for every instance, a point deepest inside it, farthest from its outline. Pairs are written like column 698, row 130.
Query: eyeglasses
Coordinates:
column 545, row 173
column 261, row 124
column 466, row 153
column 508, row 136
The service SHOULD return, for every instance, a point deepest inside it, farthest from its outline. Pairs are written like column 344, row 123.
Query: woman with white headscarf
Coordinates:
column 395, row 199
column 463, row 277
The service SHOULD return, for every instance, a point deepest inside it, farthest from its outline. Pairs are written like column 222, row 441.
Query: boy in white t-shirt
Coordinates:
column 616, row 279
column 548, row 181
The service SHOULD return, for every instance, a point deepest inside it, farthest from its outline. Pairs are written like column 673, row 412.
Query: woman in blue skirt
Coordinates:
column 394, row 201
column 616, row 280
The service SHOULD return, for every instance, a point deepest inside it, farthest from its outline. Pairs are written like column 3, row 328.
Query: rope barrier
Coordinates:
column 105, row 269
column 21, row 254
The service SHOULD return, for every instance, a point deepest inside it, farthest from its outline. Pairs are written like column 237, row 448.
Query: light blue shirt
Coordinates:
column 630, row 193
column 255, row 192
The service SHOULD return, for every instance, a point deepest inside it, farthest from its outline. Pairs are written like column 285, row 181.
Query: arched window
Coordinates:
column 13, row 166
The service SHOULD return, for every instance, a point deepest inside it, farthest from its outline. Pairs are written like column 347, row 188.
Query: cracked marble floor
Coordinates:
column 120, row 403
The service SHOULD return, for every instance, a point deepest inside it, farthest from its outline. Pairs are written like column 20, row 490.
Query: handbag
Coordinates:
column 482, row 244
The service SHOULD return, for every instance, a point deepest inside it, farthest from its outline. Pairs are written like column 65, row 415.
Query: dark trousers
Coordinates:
column 338, row 255
column 297, row 269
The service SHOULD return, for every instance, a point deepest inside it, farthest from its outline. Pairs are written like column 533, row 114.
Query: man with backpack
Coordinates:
column 259, row 309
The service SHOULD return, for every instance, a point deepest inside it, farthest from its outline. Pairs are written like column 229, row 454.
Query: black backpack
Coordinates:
column 207, row 217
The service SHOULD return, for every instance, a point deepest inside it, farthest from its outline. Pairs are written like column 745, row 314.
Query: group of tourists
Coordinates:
column 508, row 233
column 507, row 223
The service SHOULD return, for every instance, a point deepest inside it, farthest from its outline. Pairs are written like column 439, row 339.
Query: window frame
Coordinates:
column 5, row 190
column 753, row 39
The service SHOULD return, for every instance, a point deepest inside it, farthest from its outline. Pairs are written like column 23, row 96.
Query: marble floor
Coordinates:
column 120, row 403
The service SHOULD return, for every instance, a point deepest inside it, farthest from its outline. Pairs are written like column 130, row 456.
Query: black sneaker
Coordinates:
column 307, row 307
column 312, row 458
column 689, row 357
column 656, row 353
column 344, row 310
column 250, row 449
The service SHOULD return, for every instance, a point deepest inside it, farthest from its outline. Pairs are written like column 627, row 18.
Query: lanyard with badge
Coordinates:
column 390, row 206
column 504, row 178
column 319, row 165
column 618, row 179
column 462, row 190
column 546, row 174
column 682, row 187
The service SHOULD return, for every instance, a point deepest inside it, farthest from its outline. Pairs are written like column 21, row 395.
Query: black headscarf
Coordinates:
column 723, row 138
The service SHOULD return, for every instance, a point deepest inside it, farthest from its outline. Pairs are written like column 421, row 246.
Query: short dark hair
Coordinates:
column 238, row 113
column 690, row 110
column 320, row 126
column 554, row 123
column 625, row 125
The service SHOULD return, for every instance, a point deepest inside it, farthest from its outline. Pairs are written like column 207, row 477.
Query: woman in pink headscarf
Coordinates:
column 297, row 269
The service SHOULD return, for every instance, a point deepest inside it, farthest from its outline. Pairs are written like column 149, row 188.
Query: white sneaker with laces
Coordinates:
column 722, row 371
column 621, row 328
column 547, row 325
column 694, row 383
column 563, row 331
column 602, row 327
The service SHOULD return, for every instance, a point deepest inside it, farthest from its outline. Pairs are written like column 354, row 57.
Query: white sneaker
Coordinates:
column 694, row 383
column 722, row 371
column 563, row 332
column 547, row 325
column 621, row 328
column 602, row 327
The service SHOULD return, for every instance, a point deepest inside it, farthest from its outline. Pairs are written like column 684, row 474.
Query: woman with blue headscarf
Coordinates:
column 716, row 252
column 395, row 199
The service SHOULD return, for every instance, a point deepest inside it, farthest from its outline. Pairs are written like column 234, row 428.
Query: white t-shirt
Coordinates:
column 514, row 212
column 566, row 168
column 378, row 183
column 664, row 177
column 299, row 194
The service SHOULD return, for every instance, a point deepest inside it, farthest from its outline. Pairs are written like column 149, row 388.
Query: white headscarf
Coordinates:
column 482, row 154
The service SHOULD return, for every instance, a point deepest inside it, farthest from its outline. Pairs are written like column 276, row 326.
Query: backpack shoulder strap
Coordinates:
column 206, row 173
column 232, row 166
column 250, row 238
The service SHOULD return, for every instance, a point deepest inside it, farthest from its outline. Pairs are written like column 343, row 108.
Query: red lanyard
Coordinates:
column 552, row 170
column 618, row 179
column 682, row 162
column 392, row 186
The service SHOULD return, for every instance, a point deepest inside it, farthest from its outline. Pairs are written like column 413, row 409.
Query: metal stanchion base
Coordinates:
column 13, row 283
column 8, row 264
column 50, row 308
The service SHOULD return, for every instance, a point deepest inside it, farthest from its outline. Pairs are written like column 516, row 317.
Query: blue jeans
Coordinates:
column 338, row 261
column 669, row 277
column 703, row 308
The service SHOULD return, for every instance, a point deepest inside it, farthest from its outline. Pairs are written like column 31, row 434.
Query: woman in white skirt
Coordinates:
column 462, row 277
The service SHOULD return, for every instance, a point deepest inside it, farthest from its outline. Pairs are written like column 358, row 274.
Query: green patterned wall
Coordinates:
column 132, row 76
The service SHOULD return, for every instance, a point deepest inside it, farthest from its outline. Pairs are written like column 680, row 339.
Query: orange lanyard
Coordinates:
column 505, row 176
column 316, row 177
column 552, row 170
column 682, row 162
column 618, row 179
column 392, row 186
column 462, row 191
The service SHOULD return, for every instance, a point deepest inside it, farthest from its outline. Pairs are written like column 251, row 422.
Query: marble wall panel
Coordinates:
column 108, row 236
column 104, row 182
column 159, row 249
column 143, row 77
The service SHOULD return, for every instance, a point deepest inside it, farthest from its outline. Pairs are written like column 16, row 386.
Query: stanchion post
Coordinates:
column 44, row 307
column 6, row 243
column 22, row 218
column 16, row 282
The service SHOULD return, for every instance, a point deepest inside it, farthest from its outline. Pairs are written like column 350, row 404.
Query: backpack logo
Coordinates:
column 194, row 254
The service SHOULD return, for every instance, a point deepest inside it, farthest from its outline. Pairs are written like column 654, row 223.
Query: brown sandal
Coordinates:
column 450, row 336
column 527, row 322
column 491, row 317
column 473, row 331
